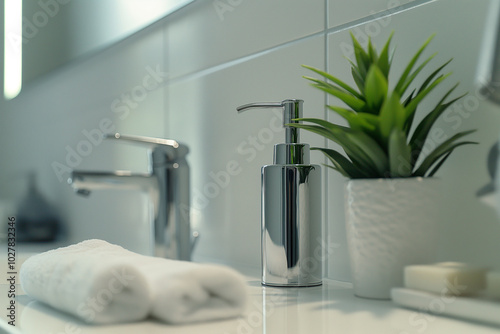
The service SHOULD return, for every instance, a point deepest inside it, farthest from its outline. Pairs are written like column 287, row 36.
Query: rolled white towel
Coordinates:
column 184, row 292
column 173, row 291
column 92, row 280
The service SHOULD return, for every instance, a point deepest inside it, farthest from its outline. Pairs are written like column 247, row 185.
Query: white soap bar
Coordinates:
column 493, row 284
column 449, row 278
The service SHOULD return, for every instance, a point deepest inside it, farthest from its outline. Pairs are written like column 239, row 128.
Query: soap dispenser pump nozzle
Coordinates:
column 291, row 151
column 292, row 109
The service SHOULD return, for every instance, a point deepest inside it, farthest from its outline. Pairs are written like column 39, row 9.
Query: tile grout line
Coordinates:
column 380, row 15
column 166, row 89
column 326, row 266
column 228, row 64
column 326, row 31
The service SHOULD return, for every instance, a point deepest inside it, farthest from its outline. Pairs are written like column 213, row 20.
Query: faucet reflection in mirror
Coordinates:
column 488, row 69
column 487, row 81
column 166, row 183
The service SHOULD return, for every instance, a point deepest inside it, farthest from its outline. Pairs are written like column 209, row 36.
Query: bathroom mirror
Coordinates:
column 57, row 32
column 488, row 71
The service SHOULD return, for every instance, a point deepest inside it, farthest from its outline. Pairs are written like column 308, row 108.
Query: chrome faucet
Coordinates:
column 488, row 68
column 166, row 183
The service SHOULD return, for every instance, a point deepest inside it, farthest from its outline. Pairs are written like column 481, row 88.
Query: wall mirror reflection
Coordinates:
column 42, row 35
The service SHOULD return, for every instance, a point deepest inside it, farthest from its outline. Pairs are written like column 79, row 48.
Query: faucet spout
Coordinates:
column 167, row 185
column 83, row 182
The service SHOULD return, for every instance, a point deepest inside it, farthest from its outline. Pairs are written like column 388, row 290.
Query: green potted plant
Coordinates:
column 391, row 195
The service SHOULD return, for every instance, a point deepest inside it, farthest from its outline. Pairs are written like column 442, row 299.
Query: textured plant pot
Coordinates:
column 391, row 223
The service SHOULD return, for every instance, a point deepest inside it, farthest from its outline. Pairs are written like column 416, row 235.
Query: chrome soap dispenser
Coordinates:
column 290, row 208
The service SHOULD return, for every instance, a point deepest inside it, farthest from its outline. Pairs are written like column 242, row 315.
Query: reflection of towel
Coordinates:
column 38, row 318
column 104, row 283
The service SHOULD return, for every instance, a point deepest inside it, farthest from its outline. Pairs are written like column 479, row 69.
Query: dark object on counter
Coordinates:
column 36, row 218
column 492, row 171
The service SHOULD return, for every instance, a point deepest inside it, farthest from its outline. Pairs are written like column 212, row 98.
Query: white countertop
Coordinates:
column 331, row 308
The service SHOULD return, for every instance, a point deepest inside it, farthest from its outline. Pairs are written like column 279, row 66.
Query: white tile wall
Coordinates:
column 214, row 32
column 203, row 114
column 345, row 11
column 218, row 58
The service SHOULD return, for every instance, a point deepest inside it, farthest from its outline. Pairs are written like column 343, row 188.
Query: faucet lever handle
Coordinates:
column 143, row 139
column 292, row 109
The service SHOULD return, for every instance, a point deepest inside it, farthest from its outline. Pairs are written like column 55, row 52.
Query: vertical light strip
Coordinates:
column 13, row 52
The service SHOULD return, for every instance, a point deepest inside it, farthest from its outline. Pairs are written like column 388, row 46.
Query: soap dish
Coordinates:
column 481, row 309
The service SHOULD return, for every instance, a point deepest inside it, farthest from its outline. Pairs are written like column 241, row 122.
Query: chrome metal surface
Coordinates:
column 488, row 71
column 295, row 154
column 291, row 225
column 143, row 139
column 167, row 185
column 292, row 109
column 290, row 208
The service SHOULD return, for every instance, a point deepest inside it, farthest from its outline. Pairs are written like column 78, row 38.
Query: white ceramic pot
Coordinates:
column 391, row 223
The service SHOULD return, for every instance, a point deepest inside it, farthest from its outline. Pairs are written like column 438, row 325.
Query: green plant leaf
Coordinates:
column 399, row 154
column 438, row 165
column 412, row 106
column 372, row 53
column 375, row 88
column 341, row 163
column 421, row 132
column 360, row 121
column 377, row 141
column 350, row 100
column 409, row 67
column 392, row 116
column 442, row 149
column 421, row 171
column 355, row 121
column 321, row 122
column 339, row 92
column 412, row 76
column 344, row 112
column 374, row 124
column 409, row 98
column 372, row 149
column 330, row 77
column 409, row 119
column 358, row 79
column 362, row 58
column 423, row 129
column 338, row 134
column 383, row 61
column 374, row 120
column 343, row 173
column 432, row 75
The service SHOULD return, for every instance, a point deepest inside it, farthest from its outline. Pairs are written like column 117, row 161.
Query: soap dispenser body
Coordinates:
column 291, row 224
column 291, row 207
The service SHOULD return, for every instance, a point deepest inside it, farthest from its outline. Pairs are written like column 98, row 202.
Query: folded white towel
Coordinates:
column 184, row 292
column 104, row 283
column 92, row 280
